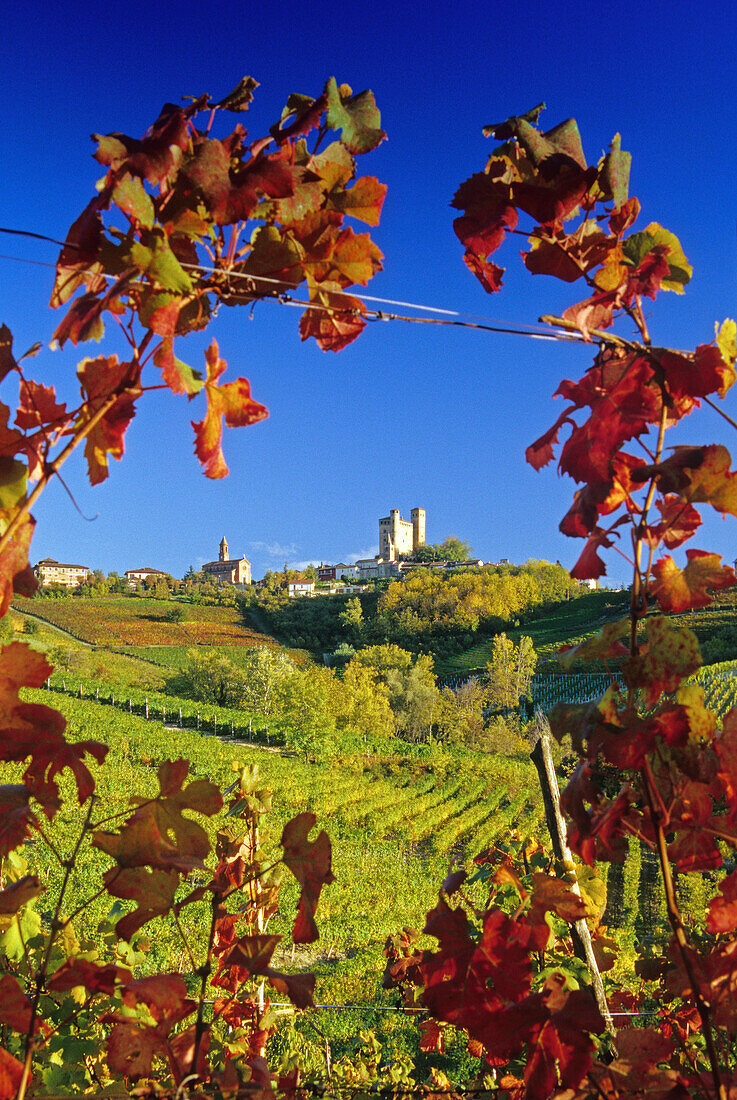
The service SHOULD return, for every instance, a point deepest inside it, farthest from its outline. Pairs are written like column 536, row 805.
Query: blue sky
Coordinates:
column 409, row 414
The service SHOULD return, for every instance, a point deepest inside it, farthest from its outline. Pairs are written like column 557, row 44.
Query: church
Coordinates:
column 226, row 571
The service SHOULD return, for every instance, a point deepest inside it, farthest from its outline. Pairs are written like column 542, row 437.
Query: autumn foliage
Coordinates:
column 653, row 767
column 182, row 222
column 163, row 242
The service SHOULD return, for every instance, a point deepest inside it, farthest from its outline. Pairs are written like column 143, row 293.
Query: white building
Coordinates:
column 301, row 588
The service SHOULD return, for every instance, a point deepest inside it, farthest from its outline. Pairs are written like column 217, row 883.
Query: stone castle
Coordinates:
column 400, row 538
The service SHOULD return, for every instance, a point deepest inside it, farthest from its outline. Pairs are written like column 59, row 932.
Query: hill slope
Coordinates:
column 130, row 621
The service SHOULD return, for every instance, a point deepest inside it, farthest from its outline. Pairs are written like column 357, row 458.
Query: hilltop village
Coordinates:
column 401, row 545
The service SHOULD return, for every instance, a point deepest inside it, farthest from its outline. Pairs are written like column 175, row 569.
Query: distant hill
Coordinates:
column 130, row 621
column 569, row 622
column 159, row 632
column 145, row 628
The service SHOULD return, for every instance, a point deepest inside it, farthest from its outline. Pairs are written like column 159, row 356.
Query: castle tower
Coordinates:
column 418, row 528
column 397, row 536
column 223, row 549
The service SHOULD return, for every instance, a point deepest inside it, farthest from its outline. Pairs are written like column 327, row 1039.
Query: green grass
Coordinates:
column 175, row 657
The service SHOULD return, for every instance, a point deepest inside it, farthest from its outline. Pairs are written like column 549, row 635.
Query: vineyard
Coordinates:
column 129, row 622
column 719, row 682
column 565, row 623
column 395, row 822
column 397, row 815
column 440, row 814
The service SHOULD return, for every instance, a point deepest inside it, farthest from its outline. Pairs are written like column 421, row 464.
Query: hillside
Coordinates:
column 132, row 641
column 116, row 621
column 549, row 627
column 146, row 628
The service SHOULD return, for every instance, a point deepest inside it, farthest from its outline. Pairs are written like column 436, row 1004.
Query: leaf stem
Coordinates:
column 185, row 941
column 205, row 970
column 679, row 934
column 56, row 927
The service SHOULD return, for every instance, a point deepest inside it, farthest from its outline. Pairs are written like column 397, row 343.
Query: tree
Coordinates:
column 450, row 549
column 211, row 678
column 509, row 672
column 264, row 669
column 160, row 589
column 409, row 686
column 459, row 718
column 382, row 658
column 96, row 584
column 117, row 585
column 352, row 619
column 343, row 652
column 304, row 703
column 413, row 697
column 362, row 705
column 193, row 576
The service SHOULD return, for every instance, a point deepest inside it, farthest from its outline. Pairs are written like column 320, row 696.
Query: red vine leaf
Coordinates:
column 334, row 319
column 432, row 1037
column 37, row 407
column 551, row 894
column 11, row 1075
column 607, row 642
column 699, row 475
column 363, row 200
column 232, row 401
column 692, row 376
column 655, row 238
column 153, row 157
column 622, row 401
column 300, row 988
column 590, row 566
column 181, row 1053
column 164, row 994
column 670, row 655
column 677, row 589
column 178, row 376
column 78, row 264
column 24, row 889
column 113, row 386
column 309, row 862
column 16, row 574
column 596, row 312
column 157, row 834
column 36, row 731
column 567, row 256
column 152, row 889
column 94, row 977
column 540, row 453
column 722, row 916
column 131, row 1048
column 680, row 521
column 15, row 1008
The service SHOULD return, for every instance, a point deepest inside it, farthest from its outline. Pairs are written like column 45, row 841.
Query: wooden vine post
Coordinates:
column 542, row 758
